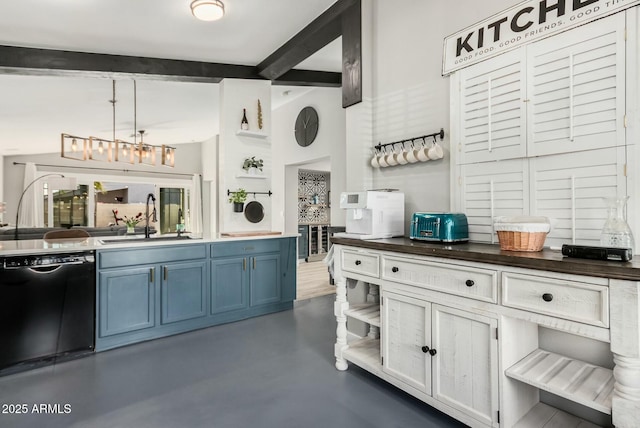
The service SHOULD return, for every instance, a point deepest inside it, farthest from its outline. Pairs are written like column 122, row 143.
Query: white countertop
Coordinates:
column 40, row 246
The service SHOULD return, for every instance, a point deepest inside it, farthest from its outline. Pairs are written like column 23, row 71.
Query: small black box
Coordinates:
column 597, row 253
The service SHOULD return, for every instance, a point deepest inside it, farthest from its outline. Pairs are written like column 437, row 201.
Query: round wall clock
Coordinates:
column 306, row 128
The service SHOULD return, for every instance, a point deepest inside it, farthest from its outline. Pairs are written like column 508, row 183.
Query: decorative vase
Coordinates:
column 131, row 229
column 238, row 207
column 252, row 171
column 616, row 231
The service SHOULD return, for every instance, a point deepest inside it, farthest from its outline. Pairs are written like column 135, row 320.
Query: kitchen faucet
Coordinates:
column 151, row 197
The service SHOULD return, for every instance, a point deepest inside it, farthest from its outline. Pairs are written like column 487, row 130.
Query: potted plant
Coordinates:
column 252, row 165
column 237, row 199
column 131, row 222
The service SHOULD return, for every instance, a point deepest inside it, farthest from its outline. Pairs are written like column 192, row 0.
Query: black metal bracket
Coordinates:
column 229, row 193
column 440, row 134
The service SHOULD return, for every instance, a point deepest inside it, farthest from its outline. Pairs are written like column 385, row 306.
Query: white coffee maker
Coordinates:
column 373, row 214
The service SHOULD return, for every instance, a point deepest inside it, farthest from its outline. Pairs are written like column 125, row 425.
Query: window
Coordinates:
column 103, row 201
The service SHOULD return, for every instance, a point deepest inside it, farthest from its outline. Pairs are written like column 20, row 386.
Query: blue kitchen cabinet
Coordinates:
column 150, row 292
column 184, row 290
column 229, row 291
column 265, row 279
column 126, row 300
column 252, row 277
column 145, row 293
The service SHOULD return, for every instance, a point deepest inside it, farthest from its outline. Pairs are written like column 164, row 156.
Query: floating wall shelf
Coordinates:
column 251, row 176
column 252, row 134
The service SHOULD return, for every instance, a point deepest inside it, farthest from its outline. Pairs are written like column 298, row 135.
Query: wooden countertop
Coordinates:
column 546, row 259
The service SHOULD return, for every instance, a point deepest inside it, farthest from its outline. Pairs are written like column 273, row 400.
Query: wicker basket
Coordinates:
column 521, row 241
column 521, row 233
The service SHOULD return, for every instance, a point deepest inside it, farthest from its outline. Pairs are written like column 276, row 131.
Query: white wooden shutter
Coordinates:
column 569, row 189
column 492, row 189
column 492, row 116
column 576, row 89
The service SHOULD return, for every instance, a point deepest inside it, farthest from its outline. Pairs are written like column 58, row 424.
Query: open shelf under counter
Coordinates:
column 545, row 416
column 367, row 312
column 575, row 380
column 252, row 134
column 365, row 353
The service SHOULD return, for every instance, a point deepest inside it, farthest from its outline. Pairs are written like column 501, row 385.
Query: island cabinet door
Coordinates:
column 266, row 280
column 406, row 340
column 126, row 300
column 229, row 284
column 465, row 362
column 183, row 288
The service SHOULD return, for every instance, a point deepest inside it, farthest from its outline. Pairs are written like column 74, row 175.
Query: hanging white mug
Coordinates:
column 412, row 154
column 401, row 155
column 435, row 151
column 374, row 159
column 391, row 158
column 382, row 158
column 423, row 153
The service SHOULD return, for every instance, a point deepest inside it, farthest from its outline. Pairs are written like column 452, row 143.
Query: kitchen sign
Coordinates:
column 521, row 24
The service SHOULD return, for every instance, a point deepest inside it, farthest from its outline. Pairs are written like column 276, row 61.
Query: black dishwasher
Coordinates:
column 47, row 308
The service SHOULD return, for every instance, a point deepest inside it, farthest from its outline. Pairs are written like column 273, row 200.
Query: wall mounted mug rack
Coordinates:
column 408, row 151
column 229, row 193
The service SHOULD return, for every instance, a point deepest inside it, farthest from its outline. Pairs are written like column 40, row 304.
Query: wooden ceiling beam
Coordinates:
column 20, row 60
column 320, row 32
column 344, row 19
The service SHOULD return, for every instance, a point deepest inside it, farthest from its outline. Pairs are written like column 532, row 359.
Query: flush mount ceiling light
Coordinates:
column 207, row 10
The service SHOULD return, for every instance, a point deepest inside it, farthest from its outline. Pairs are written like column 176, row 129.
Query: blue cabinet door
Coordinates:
column 183, row 291
column 229, row 280
column 265, row 279
column 126, row 300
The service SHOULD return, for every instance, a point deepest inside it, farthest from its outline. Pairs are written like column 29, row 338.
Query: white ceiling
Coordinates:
column 36, row 109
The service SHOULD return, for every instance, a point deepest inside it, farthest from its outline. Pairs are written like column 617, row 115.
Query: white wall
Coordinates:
column 410, row 97
column 236, row 94
column 288, row 156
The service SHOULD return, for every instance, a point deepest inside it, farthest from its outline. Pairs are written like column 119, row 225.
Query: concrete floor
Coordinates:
column 272, row 371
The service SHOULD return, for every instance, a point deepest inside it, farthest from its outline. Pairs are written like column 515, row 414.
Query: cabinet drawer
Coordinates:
column 139, row 256
column 572, row 300
column 244, row 247
column 475, row 283
column 361, row 262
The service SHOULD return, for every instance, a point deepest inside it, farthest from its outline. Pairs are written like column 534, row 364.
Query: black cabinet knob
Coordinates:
column 433, row 352
column 547, row 297
column 358, row 262
column 395, row 269
column 425, row 349
column 469, row 283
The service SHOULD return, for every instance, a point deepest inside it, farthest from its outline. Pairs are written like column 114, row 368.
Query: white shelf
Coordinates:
column 365, row 353
column 545, row 416
column 252, row 134
column 366, row 312
column 255, row 176
column 575, row 380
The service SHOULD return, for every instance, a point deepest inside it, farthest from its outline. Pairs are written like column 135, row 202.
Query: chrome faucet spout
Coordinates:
column 150, row 197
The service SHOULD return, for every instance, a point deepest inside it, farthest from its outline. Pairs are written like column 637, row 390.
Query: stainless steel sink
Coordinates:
column 138, row 240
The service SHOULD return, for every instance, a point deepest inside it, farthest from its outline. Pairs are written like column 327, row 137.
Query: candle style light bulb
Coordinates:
column 74, row 145
column 100, row 148
column 124, row 149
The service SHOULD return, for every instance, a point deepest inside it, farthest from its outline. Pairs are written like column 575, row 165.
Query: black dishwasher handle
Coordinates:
column 45, row 269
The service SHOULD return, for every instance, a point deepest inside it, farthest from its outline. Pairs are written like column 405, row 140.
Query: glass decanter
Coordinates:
column 616, row 231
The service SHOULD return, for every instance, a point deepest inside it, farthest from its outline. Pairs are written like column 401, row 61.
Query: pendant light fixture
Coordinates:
column 207, row 10
column 94, row 148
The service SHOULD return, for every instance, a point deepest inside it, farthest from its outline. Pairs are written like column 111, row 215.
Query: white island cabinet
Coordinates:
column 464, row 328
